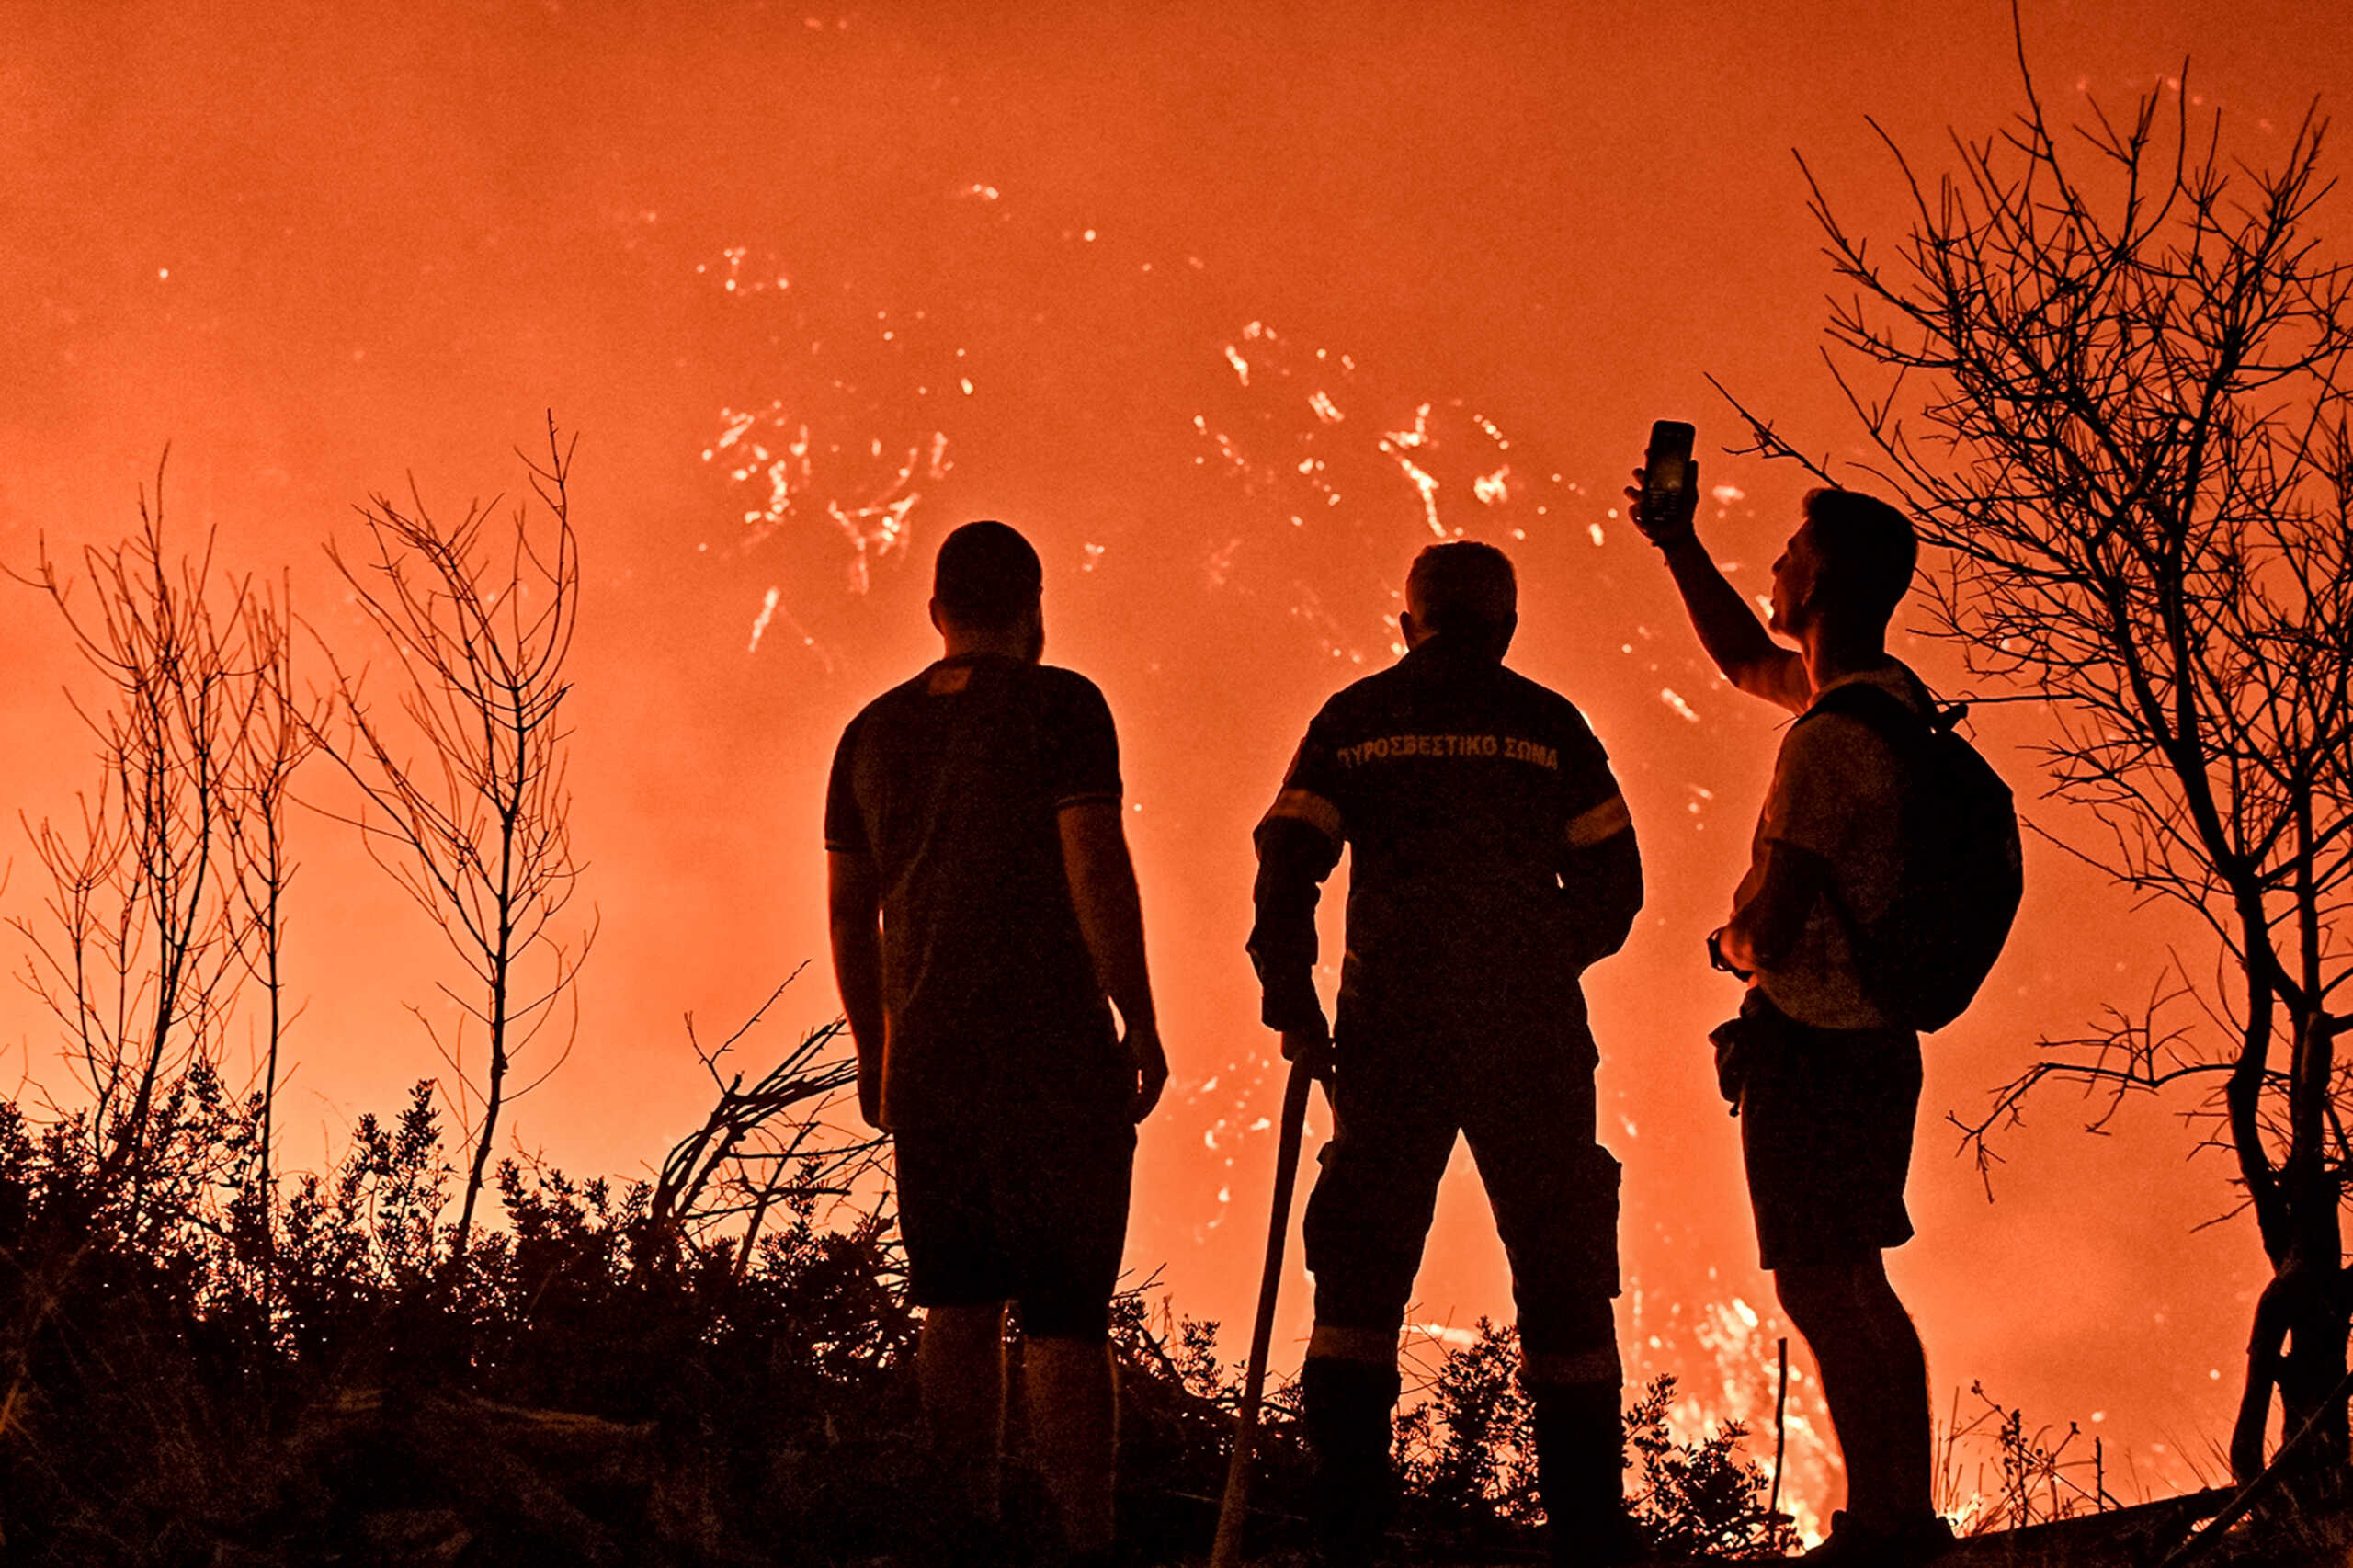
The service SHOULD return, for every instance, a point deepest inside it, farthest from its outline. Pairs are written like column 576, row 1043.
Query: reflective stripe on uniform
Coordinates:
column 1557, row 1370
column 1334, row 1342
column 1605, row 821
column 1307, row 806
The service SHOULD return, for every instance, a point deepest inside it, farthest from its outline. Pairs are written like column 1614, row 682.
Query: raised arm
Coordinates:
column 854, row 904
column 1728, row 628
column 1110, row 916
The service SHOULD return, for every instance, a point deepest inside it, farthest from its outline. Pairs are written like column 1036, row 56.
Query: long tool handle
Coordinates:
column 1235, row 1509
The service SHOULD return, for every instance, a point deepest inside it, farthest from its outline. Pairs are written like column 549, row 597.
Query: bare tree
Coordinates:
column 2106, row 369
column 274, row 738
column 142, row 925
column 478, row 829
column 765, row 1146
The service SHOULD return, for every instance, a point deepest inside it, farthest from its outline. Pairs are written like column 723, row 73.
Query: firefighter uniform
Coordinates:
column 1493, row 861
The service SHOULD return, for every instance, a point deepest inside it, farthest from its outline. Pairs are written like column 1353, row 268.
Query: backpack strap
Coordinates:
column 1892, row 720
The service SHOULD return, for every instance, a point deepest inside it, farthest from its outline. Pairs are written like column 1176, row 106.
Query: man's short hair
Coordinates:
column 1462, row 587
column 987, row 576
column 1867, row 547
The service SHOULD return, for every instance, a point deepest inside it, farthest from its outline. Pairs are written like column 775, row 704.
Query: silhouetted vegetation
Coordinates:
column 596, row 1382
column 587, row 1381
column 1469, row 1461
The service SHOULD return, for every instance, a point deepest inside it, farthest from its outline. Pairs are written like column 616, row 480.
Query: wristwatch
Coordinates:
column 1717, row 960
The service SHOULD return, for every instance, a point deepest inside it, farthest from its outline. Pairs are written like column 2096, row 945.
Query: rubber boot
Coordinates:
column 1580, row 1474
column 1354, row 1492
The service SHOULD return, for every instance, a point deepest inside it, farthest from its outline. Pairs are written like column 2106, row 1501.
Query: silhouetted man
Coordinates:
column 982, row 906
column 1828, row 1083
column 1495, row 861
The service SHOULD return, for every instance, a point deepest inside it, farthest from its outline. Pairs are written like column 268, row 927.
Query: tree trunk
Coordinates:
column 2309, row 1376
column 2300, row 1323
column 2317, row 1321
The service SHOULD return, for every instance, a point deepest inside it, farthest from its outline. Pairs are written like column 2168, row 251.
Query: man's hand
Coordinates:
column 870, row 1093
column 1735, row 950
column 1151, row 1065
column 1726, row 951
column 1312, row 1048
column 1675, row 527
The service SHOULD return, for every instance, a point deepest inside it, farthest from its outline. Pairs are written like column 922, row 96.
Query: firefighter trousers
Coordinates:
column 1526, row 1106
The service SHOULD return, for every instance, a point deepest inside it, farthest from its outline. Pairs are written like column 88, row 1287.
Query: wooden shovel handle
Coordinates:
column 1235, row 1507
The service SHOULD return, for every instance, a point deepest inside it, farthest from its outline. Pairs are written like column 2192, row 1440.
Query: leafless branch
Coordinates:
column 477, row 830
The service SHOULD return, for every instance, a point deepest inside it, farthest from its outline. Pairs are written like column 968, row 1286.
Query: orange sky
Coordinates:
column 317, row 249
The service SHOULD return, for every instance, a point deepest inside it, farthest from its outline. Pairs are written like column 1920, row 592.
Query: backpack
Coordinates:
column 1958, row 890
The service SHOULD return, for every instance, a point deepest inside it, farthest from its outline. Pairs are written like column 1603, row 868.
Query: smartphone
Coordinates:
column 1666, row 468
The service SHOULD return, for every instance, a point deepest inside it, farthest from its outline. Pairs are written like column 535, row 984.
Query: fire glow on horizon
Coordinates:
column 1232, row 311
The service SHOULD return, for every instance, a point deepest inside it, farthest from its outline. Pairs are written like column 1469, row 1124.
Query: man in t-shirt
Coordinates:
column 1493, row 861
column 982, row 907
column 1826, row 1082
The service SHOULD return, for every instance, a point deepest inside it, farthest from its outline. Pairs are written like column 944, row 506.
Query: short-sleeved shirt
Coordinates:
column 1460, row 787
column 954, row 783
column 1837, row 794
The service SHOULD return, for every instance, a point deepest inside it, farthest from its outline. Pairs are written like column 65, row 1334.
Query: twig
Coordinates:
column 1780, row 1428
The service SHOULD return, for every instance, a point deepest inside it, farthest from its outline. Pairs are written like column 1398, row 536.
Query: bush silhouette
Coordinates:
column 208, row 1377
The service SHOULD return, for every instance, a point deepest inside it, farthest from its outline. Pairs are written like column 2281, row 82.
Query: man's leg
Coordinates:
column 1347, row 1388
column 1875, row 1380
column 1827, row 1137
column 960, row 1363
column 1074, row 1431
column 1366, row 1222
column 1554, row 1193
column 1067, row 1186
column 1581, row 1466
column 954, row 1272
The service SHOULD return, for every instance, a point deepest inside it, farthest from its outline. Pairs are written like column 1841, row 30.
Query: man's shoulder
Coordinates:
column 1541, row 700
column 1833, row 730
column 1363, row 698
column 1056, row 681
column 1066, row 701
column 1550, row 716
column 907, row 693
column 1884, row 703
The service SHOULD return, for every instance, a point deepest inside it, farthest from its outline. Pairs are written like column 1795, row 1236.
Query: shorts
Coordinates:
column 1826, row 1122
column 1025, row 1212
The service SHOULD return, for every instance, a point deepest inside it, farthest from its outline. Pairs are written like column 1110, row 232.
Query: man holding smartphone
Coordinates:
column 1494, row 860
column 983, row 908
column 1826, row 1082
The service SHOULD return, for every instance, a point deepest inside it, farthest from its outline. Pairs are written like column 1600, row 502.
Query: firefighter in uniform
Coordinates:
column 1495, row 861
